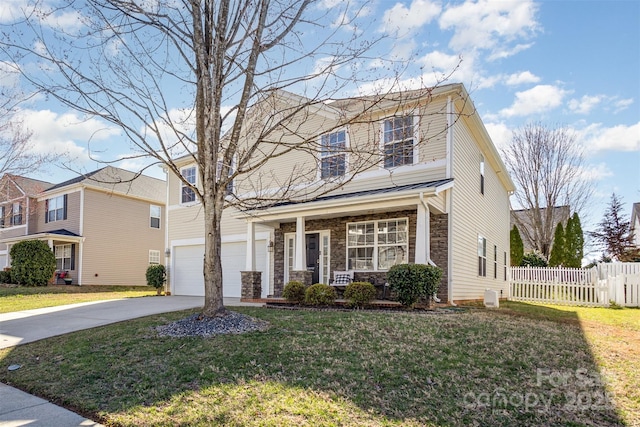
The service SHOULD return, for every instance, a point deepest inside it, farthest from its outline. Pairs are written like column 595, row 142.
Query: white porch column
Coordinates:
column 300, row 261
column 251, row 247
column 50, row 243
column 423, row 243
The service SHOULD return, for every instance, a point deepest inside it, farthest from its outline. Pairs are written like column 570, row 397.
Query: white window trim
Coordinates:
column 182, row 185
column 482, row 256
column 55, row 216
column 375, row 242
column 63, row 247
column 153, row 254
column 416, row 141
column 347, row 144
column 159, row 216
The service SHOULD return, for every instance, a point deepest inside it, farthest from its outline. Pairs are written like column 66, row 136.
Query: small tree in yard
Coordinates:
column 615, row 233
column 32, row 263
column 156, row 277
column 558, row 248
column 517, row 246
column 574, row 242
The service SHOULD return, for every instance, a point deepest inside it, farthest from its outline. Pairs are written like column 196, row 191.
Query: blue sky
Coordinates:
column 573, row 63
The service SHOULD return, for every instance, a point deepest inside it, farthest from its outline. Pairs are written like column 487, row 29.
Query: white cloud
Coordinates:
column 521, row 78
column 585, row 104
column 500, row 134
column 491, row 25
column 402, row 20
column 65, row 133
column 12, row 10
column 622, row 104
column 597, row 137
column 9, row 76
column 538, row 99
column 506, row 52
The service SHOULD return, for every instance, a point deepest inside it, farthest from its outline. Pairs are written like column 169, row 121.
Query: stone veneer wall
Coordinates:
column 251, row 284
column 338, row 230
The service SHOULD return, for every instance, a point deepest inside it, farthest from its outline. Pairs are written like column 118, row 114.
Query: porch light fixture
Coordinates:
column 167, row 252
column 270, row 246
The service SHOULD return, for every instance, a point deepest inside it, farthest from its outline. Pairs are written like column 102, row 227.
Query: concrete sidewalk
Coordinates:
column 18, row 408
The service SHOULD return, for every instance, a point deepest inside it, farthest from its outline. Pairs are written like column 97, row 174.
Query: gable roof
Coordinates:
column 117, row 180
column 521, row 218
column 635, row 214
column 29, row 186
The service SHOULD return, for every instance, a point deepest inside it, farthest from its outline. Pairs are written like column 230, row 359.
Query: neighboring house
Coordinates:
column 635, row 223
column 105, row 227
column 447, row 203
column 523, row 219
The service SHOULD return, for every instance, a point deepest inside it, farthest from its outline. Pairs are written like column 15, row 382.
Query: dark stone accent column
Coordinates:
column 278, row 262
column 303, row 276
column 439, row 226
column 251, row 284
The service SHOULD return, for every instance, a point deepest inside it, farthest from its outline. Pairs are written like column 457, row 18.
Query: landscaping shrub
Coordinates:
column 5, row 276
column 294, row 292
column 32, row 263
column 414, row 281
column 359, row 294
column 533, row 259
column 156, row 276
column 320, row 294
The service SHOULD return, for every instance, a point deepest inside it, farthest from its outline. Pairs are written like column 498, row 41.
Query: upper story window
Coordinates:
column 333, row 163
column 188, row 194
column 2, row 214
column 56, row 209
column 219, row 165
column 398, row 139
column 481, row 175
column 154, row 214
column 16, row 214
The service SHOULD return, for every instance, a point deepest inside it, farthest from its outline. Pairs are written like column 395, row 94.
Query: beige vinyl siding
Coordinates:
column 118, row 238
column 6, row 233
column 72, row 223
column 475, row 214
column 433, row 131
column 187, row 222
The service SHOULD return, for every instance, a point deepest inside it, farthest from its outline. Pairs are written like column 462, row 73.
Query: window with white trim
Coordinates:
column 505, row 266
column 154, row 215
column 482, row 256
column 2, row 213
column 495, row 262
column 16, row 214
column 481, row 174
column 398, row 139
column 333, row 157
column 377, row 245
column 188, row 194
column 56, row 208
column 154, row 256
column 63, row 257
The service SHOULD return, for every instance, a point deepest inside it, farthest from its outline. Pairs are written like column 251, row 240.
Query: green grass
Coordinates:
column 518, row 365
column 27, row 298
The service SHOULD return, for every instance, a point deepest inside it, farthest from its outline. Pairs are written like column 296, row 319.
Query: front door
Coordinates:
column 312, row 244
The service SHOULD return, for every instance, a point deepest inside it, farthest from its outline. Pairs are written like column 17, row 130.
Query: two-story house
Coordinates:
column 104, row 227
column 437, row 193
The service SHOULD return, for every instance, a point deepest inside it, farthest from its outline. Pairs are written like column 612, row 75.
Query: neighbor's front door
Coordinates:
column 312, row 244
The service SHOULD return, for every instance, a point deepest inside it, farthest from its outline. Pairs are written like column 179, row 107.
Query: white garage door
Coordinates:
column 187, row 270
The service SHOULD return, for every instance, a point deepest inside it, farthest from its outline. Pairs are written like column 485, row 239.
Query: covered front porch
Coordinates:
column 364, row 233
column 66, row 246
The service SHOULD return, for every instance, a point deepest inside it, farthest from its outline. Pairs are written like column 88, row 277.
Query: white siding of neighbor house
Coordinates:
column 475, row 214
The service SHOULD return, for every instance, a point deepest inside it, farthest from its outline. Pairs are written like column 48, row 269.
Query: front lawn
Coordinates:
column 519, row 365
column 27, row 298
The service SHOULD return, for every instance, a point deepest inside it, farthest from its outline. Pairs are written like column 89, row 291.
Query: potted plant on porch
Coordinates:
column 67, row 278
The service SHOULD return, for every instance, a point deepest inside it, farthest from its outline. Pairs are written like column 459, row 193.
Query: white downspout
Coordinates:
column 449, row 198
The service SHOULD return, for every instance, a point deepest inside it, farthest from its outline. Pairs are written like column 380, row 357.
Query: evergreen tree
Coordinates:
column 614, row 232
column 517, row 247
column 574, row 242
column 556, row 258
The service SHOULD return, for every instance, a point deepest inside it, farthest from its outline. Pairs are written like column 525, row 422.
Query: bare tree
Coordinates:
column 205, row 79
column 547, row 165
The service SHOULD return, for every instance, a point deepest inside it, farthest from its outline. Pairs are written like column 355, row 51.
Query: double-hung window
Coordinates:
column 154, row 214
column 56, row 209
column 482, row 256
column 2, row 216
column 333, row 157
column 398, row 139
column 63, row 255
column 377, row 245
column 154, row 257
column 16, row 214
column 188, row 194
column 481, row 174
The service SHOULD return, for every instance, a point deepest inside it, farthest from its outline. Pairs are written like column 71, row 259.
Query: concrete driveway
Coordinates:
column 32, row 325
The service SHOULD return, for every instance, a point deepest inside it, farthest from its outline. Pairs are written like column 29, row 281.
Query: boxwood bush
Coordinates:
column 5, row 276
column 359, row 294
column 32, row 263
column 294, row 292
column 156, row 276
column 414, row 281
column 320, row 294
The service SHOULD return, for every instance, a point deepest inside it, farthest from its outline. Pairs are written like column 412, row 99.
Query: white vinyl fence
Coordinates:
column 598, row 286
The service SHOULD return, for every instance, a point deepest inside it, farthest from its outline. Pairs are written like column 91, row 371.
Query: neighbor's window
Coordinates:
column 398, row 139
column 377, row 245
column 56, row 209
column 333, row 155
column 154, row 213
column 482, row 256
column 63, row 257
column 16, row 214
column 2, row 216
column 154, row 257
column 187, row 193
column 481, row 175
